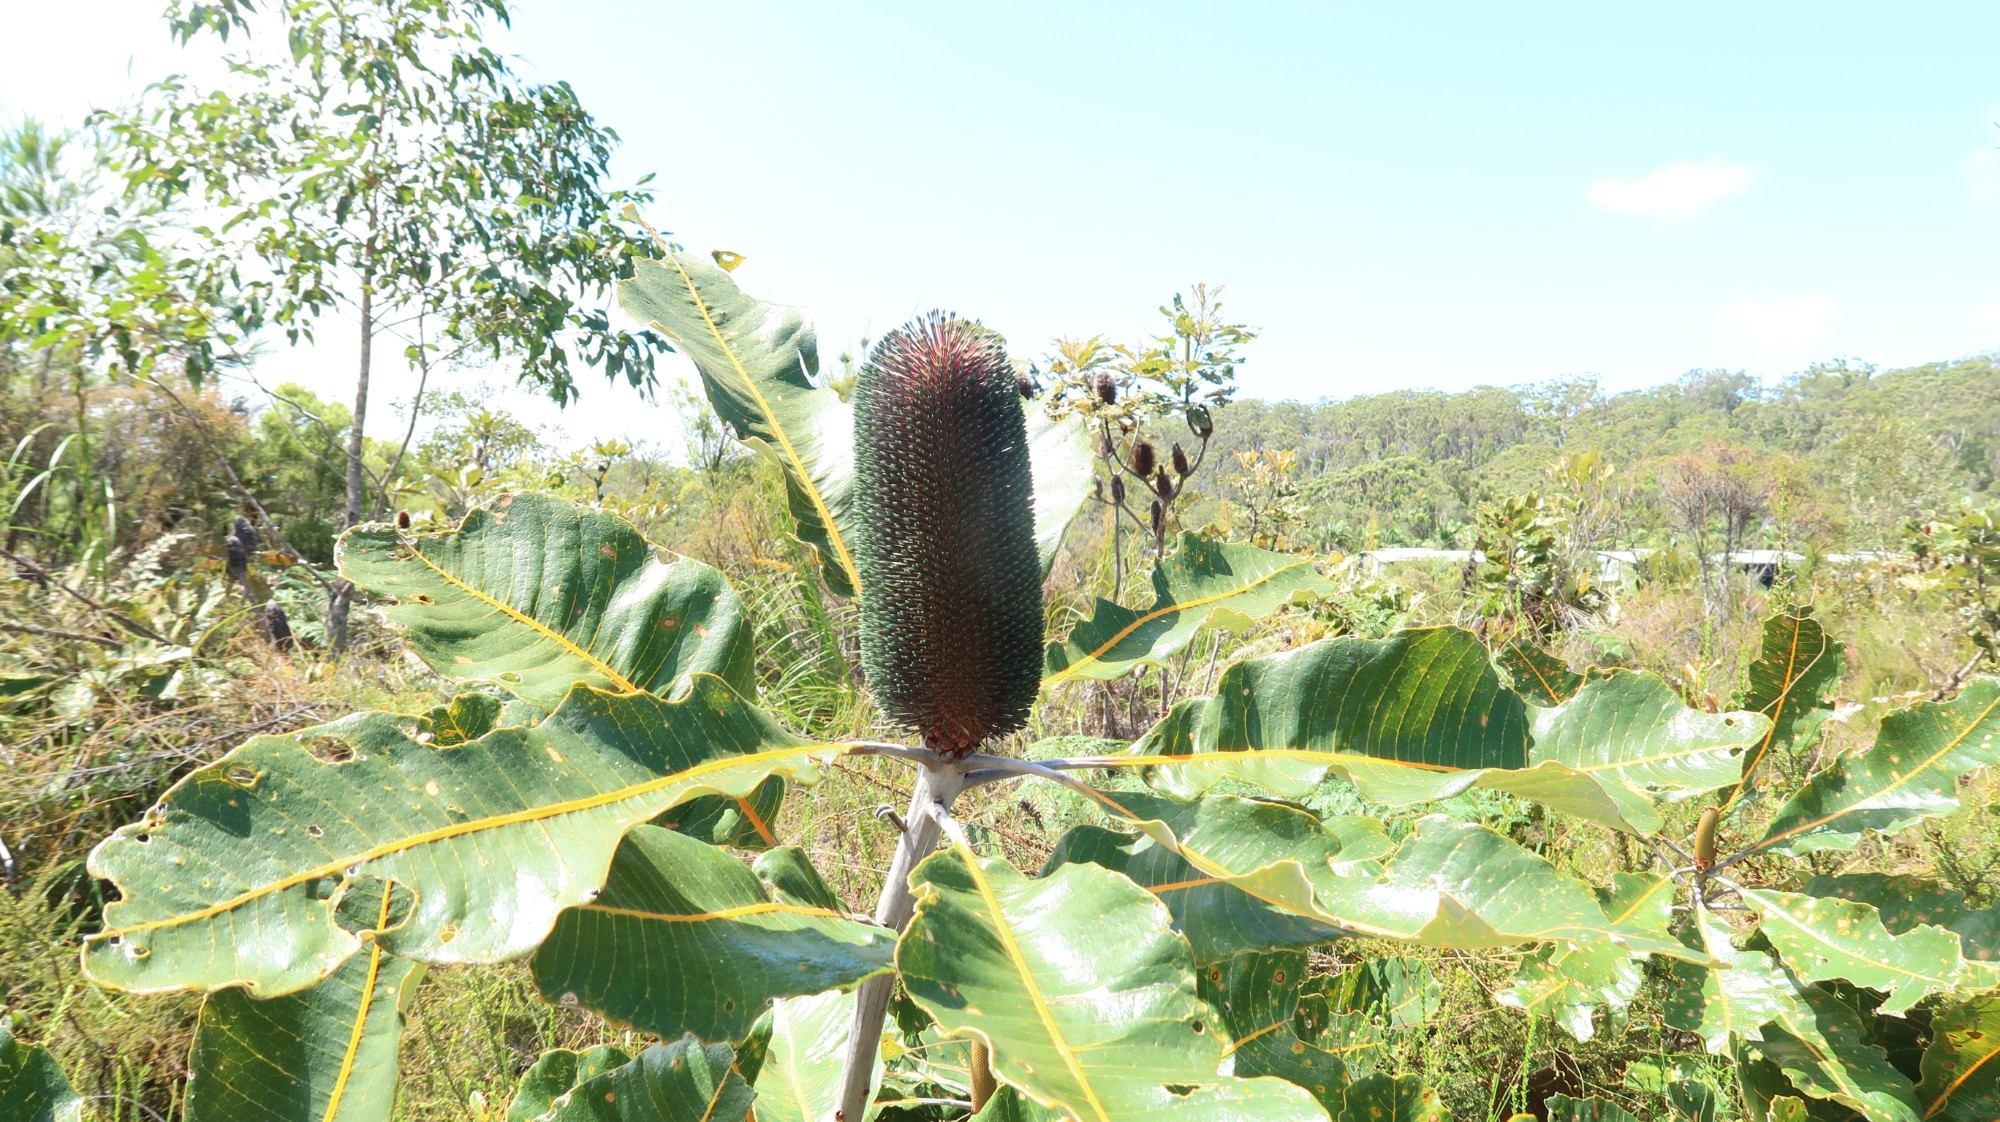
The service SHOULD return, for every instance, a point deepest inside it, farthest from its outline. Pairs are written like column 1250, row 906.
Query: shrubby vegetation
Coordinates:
column 1514, row 835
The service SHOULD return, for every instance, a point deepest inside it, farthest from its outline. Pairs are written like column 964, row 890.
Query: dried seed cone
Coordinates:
column 951, row 582
column 1143, row 458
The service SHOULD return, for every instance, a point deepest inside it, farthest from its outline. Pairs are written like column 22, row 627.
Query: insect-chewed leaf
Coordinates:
column 1232, row 838
column 1201, row 584
column 1789, row 682
column 1423, row 715
column 759, row 364
column 1384, row 1098
column 537, row 594
column 1081, row 982
column 553, row 1075
column 1907, row 902
column 682, row 1081
column 1258, row 996
column 670, row 901
column 1910, row 773
column 236, row 876
column 1820, row 1045
column 325, row 1054
column 1538, row 675
column 1961, row 1068
column 1737, row 996
column 32, row 1085
column 1563, row 1108
column 1822, row 940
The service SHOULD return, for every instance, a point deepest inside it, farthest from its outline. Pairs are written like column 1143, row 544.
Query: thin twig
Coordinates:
column 117, row 617
column 58, row 633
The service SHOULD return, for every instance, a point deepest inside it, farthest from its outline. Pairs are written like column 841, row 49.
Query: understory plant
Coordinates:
column 587, row 799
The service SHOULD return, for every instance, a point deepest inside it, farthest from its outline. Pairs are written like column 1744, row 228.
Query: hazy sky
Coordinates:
column 1427, row 195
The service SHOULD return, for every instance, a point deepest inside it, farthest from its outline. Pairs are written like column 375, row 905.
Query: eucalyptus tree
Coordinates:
column 388, row 162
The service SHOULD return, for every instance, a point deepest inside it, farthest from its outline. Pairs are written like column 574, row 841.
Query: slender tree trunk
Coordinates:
column 343, row 592
column 936, row 787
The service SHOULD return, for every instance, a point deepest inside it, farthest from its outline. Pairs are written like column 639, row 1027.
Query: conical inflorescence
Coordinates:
column 951, row 582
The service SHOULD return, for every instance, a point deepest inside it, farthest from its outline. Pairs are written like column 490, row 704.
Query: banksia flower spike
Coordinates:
column 1143, row 458
column 1181, row 466
column 1163, row 485
column 1107, row 390
column 1117, row 488
column 951, row 581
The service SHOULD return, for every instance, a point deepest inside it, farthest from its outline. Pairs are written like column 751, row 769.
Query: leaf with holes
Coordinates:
column 1422, row 715
column 759, row 364
column 1820, row 1045
column 1201, row 584
column 1570, row 981
column 555, row 1073
column 1961, row 1068
column 1082, row 984
column 1737, row 997
column 1385, row 1098
column 1563, row 1108
column 235, row 877
column 1230, row 836
column 1790, row 682
column 1908, row 902
column 1822, row 940
column 1258, row 996
column 1910, row 773
column 681, row 1081
column 1536, row 674
column 32, row 1085
column 671, row 902
column 325, row 1054
column 536, row 594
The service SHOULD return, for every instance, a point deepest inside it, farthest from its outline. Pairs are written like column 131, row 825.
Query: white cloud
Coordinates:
column 1676, row 191
column 1778, row 324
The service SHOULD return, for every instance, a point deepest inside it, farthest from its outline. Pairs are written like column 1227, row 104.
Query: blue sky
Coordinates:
column 1434, row 195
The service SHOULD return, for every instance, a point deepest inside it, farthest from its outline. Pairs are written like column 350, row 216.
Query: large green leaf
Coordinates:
column 32, row 1085
column 236, row 875
column 759, row 364
column 682, row 1081
column 1385, row 1098
column 1789, row 682
column 1060, row 461
column 1228, row 835
column 1910, row 773
column 1538, row 675
column 1824, row 939
column 800, row 1077
column 1079, row 984
column 537, row 594
column 671, row 901
column 1742, row 993
column 1258, row 997
column 1961, row 1068
column 1240, row 874
column 326, row 1054
column 1821, row 1046
column 1201, row 584
column 1563, row 1108
column 553, row 1075
column 1570, row 981
column 1908, row 902
column 1423, row 715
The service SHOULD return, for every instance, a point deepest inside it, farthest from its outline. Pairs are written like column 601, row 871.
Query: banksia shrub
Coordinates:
column 951, row 582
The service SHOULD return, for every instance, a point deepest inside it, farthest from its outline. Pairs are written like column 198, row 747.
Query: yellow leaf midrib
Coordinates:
column 1159, row 611
column 798, row 465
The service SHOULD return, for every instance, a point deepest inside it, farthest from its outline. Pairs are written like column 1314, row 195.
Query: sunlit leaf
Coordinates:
column 1745, row 991
column 799, row 1080
column 1201, row 584
column 32, row 1086
column 1537, row 675
column 1822, row 939
column 1790, row 683
column 554, row 1074
column 1258, row 997
column 1088, row 996
column 681, row 1081
column 236, row 875
column 1821, row 1046
column 1910, row 773
column 671, row 902
column 1961, row 1068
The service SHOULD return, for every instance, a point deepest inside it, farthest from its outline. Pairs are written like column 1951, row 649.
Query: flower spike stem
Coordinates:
column 938, row 785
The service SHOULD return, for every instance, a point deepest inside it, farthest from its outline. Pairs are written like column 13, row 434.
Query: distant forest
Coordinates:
column 1841, row 456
